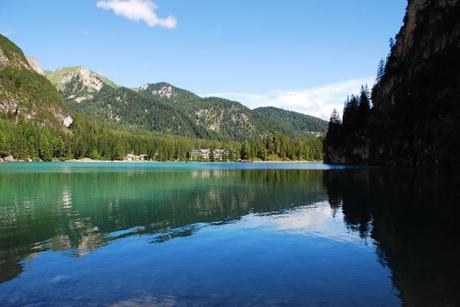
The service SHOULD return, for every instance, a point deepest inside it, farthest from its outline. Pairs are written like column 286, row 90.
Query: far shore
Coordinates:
column 88, row 160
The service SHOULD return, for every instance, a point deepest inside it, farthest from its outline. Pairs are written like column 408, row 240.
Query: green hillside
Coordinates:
column 164, row 108
column 294, row 120
column 26, row 96
column 90, row 117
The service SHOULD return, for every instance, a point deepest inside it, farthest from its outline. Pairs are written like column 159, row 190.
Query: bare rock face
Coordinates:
column 35, row 65
column 416, row 115
column 431, row 28
column 417, row 112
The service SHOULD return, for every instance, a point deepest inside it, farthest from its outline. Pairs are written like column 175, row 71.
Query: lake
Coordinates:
column 121, row 234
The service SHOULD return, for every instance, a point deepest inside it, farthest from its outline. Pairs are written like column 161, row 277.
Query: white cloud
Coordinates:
column 138, row 10
column 318, row 220
column 316, row 101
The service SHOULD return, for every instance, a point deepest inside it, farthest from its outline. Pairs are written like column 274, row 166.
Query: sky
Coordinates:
column 300, row 55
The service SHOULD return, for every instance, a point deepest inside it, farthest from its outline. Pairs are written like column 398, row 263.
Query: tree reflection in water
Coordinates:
column 410, row 215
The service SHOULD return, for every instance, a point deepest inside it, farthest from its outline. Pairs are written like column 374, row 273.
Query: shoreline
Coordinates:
column 88, row 160
column 243, row 162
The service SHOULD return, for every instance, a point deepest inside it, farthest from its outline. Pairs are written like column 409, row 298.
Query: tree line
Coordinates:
column 349, row 133
column 90, row 139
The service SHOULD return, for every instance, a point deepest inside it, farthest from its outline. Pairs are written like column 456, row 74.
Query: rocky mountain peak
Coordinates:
column 89, row 79
column 162, row 90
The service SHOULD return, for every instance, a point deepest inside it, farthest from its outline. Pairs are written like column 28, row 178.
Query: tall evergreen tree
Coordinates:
column 333, row 135
column 364, row 107
column 350, row 114
column 380, row 70
column 46, row 152
column 245, row 152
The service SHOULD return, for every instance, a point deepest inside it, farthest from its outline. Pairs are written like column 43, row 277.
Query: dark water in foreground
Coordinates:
column 227, row 234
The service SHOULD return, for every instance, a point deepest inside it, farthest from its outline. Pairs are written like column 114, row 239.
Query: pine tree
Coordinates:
column 380, row 70
column 45, row 150
column 59, row 147
column 118, row 152
column 392, row 42
column 350, row 114
column 363, row 107
column 335, row 118
column 245, row 152
column 3, row 145
column 334, row 132
column 95, row 154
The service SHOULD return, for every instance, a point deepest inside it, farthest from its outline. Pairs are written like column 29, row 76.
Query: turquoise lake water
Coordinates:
column 286, row 234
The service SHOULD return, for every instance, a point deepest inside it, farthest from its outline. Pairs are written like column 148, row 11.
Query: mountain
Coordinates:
column 162, row 107
column 92, row 117
column 171, row 95
column 216, row 117
column 296, row 121
column 415, row 118
column 232, row 119
column 93, row 80
column 36, row 124
column 25, row 95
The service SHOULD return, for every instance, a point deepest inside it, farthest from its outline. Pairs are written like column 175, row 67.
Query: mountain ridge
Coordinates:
column 38, row 123
column 150, row 105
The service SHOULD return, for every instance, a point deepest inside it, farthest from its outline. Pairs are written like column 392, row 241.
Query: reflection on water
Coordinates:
column 412, row 217
column 163, row 235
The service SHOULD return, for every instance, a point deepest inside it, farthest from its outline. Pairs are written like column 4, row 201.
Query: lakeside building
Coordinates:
column 209, row 154
column 133, row 157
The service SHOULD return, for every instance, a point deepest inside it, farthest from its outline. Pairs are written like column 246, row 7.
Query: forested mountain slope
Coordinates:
column 295, row 120
column 33, row 126
column 35, row 123
column 161, row 107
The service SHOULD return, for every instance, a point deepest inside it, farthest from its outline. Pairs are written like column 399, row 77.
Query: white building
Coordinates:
column 133, row 157
column 205, row 154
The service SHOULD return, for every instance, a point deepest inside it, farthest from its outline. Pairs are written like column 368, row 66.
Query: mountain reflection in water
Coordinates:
column 407, row 217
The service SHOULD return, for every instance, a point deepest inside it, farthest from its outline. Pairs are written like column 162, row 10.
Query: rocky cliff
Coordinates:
column 415, row 119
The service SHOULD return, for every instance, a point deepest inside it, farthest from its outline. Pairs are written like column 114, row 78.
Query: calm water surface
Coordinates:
column 117, row 234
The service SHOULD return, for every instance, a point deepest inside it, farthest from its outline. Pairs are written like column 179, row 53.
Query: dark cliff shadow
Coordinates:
column 411, row 214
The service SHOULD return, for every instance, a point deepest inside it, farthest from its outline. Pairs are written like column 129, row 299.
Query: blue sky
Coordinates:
column 303, row 55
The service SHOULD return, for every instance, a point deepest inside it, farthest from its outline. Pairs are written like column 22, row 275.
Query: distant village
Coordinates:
column 195, row 155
